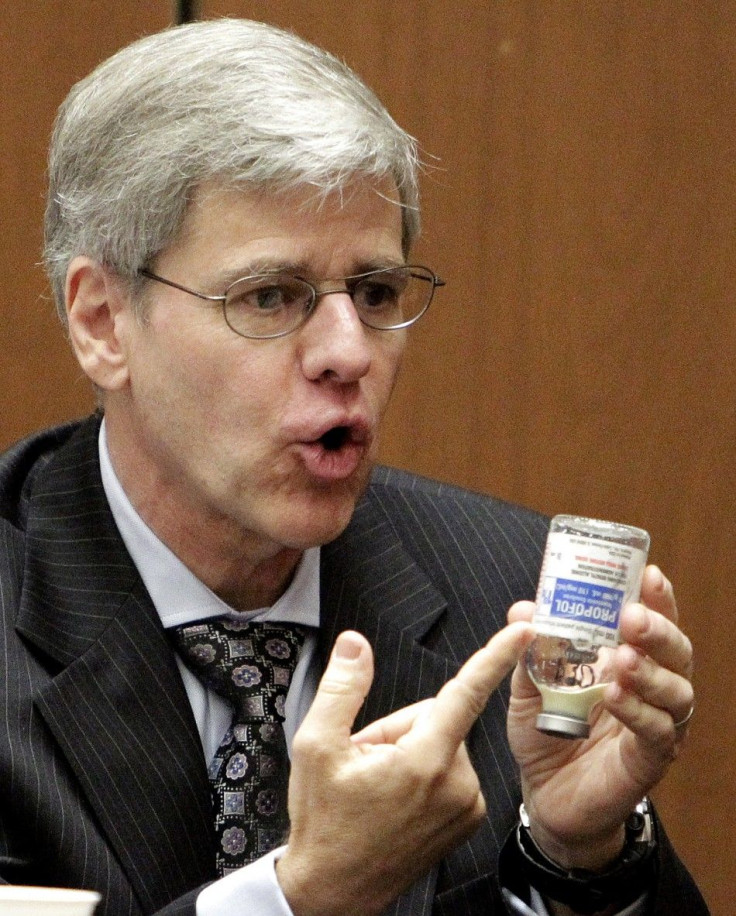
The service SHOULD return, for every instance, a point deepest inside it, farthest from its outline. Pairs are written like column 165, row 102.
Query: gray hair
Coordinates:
column 237, row 102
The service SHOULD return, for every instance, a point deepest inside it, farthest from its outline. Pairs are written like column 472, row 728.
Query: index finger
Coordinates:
column 657, row 593
column 446, row 722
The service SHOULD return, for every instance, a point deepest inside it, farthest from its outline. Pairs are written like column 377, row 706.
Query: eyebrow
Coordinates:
column 301, row 269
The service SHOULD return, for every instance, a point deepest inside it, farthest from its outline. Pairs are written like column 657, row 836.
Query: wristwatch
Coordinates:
column 584, row 891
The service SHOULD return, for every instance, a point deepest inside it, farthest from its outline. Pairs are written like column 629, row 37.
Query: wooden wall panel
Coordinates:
column 579, row 199
column 45, row 47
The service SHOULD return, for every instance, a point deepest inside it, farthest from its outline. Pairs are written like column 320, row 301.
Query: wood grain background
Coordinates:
column 579, row 200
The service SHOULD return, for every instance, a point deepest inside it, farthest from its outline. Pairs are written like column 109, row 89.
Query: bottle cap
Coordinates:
column 562, row 726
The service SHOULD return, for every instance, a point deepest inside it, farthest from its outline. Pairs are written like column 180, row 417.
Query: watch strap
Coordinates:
column 584, row 891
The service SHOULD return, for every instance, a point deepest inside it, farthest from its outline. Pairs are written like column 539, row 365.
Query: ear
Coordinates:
column 97, row 312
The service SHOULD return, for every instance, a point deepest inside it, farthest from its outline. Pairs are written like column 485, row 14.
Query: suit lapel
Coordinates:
column 371, row 584
column 116, row 705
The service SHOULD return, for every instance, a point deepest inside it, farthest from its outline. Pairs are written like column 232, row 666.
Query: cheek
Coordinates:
column 234, row 402
column 192, row 358
column 176, row 385
column 389, row 364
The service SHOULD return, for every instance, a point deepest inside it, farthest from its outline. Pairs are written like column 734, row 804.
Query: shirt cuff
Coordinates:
column 253, row 890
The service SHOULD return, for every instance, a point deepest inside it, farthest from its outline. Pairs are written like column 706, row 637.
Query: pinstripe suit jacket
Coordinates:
column 102, row 778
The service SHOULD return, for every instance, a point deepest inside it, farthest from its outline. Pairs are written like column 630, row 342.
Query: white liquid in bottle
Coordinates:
column 591, row 569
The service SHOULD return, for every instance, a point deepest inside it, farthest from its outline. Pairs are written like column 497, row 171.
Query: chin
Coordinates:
column 317, row 519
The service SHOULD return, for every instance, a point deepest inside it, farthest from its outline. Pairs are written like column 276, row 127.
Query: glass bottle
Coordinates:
column 591, row 569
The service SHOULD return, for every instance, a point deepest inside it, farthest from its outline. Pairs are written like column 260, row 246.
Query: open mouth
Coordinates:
column 334, row 439
column 338, row 452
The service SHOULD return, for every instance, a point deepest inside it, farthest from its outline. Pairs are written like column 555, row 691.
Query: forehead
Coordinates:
column 363, row 220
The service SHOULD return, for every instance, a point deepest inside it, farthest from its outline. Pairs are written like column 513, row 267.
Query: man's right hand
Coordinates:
column 372, row 812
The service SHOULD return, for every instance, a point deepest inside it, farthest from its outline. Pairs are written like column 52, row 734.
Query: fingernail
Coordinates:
column 348, row 646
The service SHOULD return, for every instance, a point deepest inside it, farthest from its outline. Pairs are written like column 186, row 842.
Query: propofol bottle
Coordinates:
column 591, row 569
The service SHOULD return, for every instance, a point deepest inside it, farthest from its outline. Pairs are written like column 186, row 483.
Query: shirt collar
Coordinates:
column 177, row 594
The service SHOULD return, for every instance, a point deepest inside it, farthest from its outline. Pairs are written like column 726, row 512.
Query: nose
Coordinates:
column 334, row 341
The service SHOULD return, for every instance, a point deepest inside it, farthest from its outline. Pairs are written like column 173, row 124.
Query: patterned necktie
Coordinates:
column 249, row 664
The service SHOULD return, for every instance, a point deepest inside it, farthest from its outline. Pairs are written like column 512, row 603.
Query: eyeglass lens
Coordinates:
column 274, row 304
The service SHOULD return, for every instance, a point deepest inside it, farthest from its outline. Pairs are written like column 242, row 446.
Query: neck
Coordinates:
column 262, row 587
column 245, row 571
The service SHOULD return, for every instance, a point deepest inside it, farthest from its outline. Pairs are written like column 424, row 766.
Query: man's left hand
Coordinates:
column 578, row 794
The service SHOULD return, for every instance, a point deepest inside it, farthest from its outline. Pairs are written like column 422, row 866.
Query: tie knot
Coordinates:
column 250, row 664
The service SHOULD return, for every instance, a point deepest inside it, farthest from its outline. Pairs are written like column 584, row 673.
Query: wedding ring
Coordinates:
column 683, row 722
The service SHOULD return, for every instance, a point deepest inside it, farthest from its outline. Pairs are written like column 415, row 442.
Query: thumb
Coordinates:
column 343, row 687
column 522, row 610
column 521, row 684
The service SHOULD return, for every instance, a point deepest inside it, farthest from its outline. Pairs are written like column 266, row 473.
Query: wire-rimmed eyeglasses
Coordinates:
column 274, row 304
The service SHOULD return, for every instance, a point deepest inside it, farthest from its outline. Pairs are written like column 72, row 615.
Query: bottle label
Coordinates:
column 583, row 586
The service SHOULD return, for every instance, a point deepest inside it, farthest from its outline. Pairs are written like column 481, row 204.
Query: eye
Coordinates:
column 266, row 295
column 267, row 298
column 380, row 292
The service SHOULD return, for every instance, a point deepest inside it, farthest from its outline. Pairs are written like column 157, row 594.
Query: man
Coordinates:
column 230, row 219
